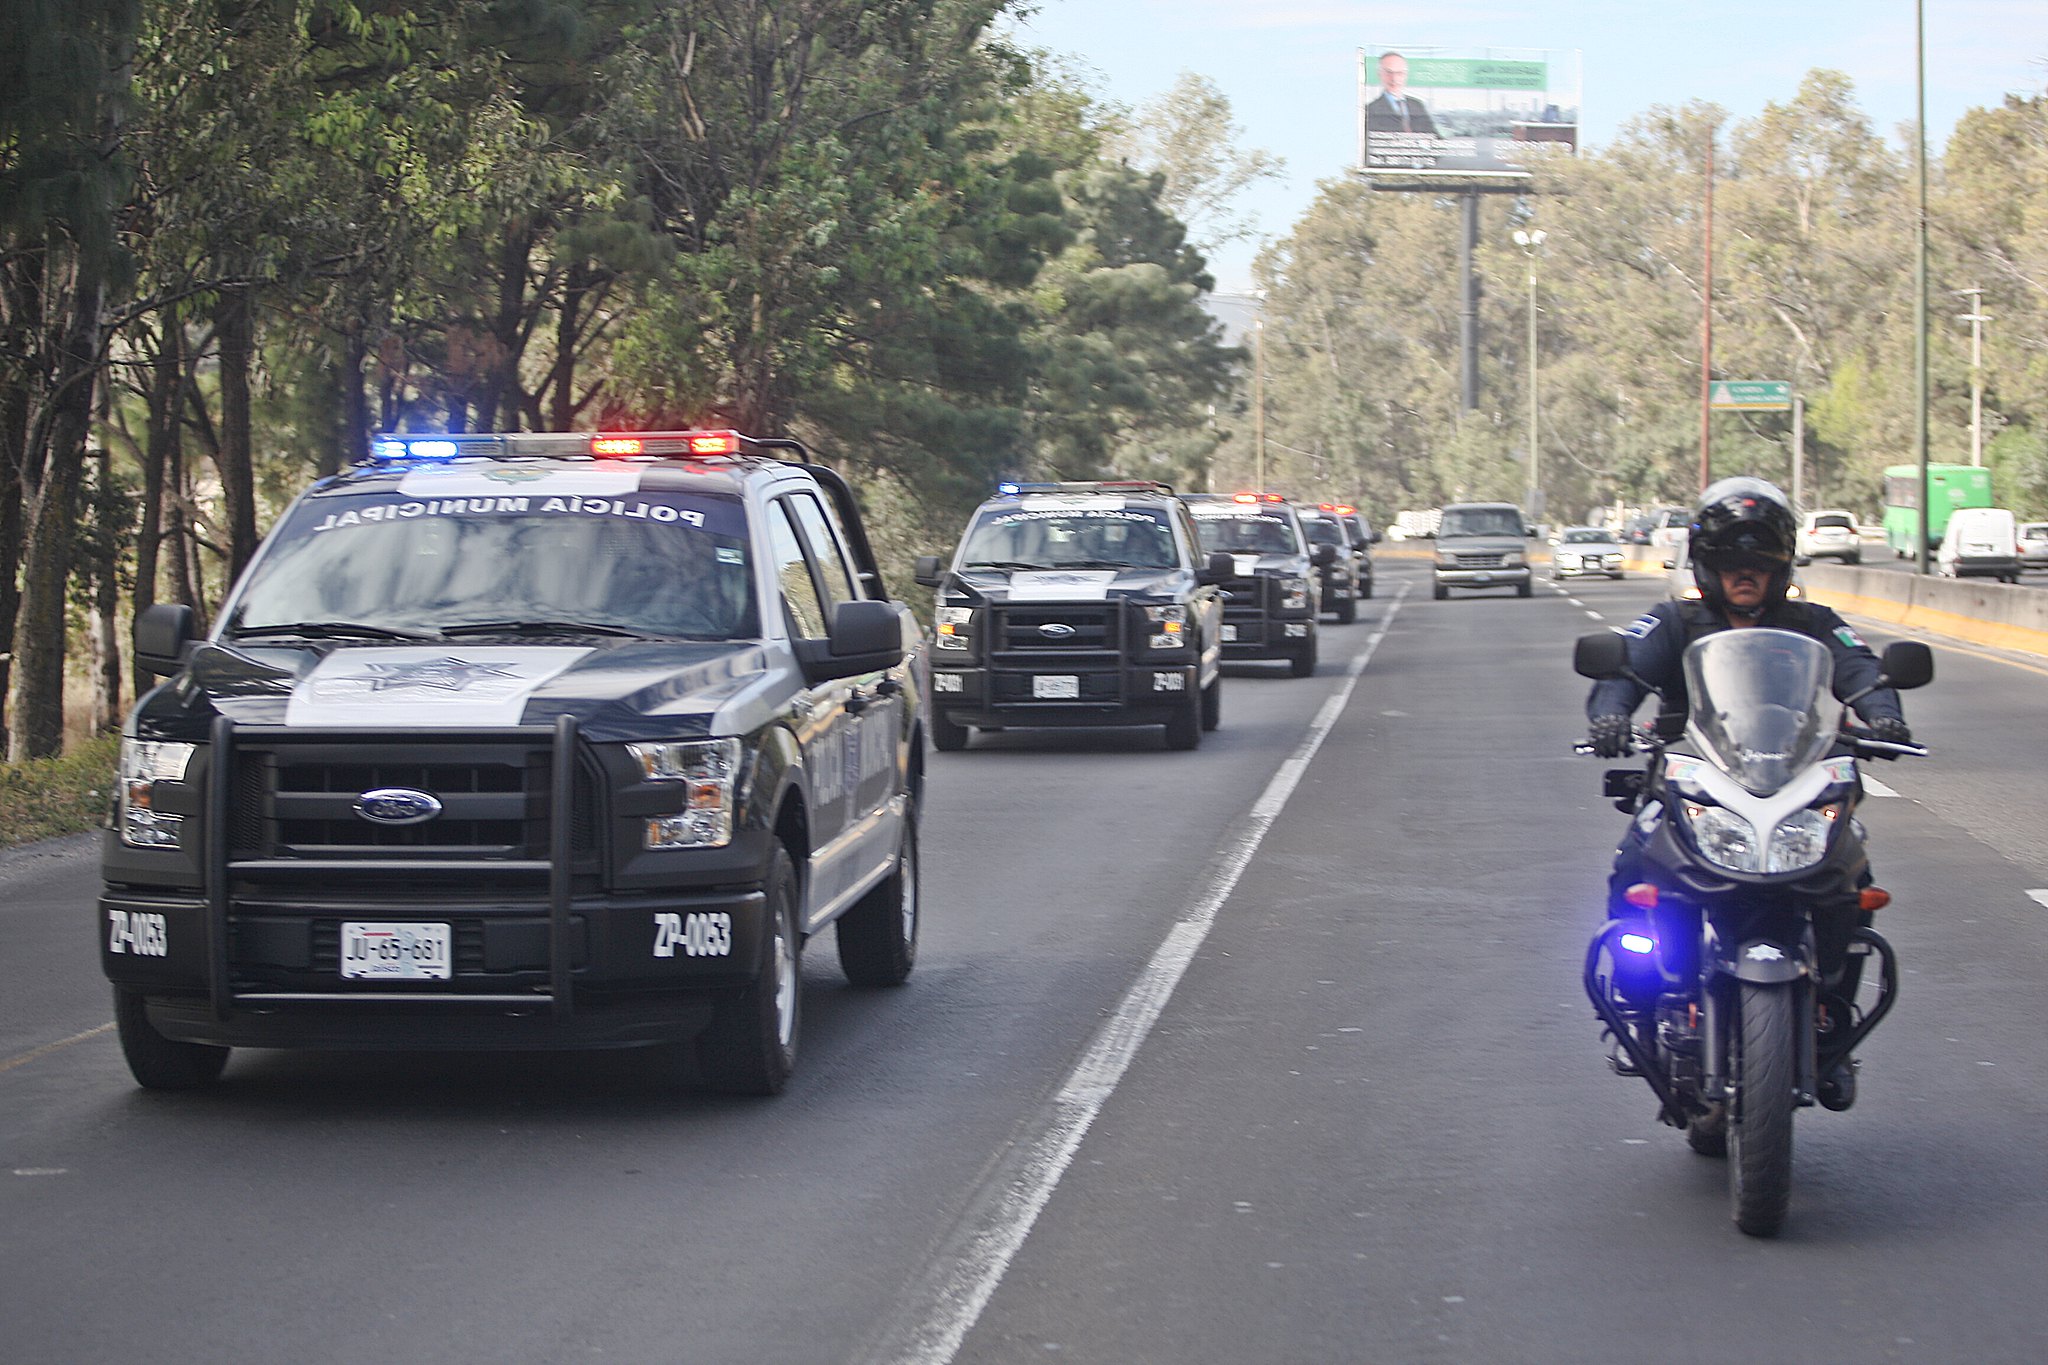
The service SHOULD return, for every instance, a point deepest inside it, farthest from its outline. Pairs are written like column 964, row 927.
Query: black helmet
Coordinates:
column 1740, row 522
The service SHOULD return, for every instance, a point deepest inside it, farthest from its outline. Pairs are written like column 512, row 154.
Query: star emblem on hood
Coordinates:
column 447, row 674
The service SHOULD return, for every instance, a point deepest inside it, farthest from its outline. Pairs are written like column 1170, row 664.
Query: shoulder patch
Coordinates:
column 1640, row 628
column 1849, row 637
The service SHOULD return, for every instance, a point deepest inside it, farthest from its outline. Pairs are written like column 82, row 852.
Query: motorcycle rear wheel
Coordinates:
column 1760, row 1118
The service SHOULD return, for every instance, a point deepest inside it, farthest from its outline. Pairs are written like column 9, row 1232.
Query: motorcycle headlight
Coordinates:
column 953, row 624
column 144, row 763
column 1801, row 839
column 1293, row 594
column 1725, row 839
column 708, row 771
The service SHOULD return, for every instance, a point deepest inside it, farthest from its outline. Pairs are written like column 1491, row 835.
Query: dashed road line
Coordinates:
column 947, row 1298
column 46, row 1049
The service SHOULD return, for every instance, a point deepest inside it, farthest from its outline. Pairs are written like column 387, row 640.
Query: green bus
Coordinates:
column 1953, row 485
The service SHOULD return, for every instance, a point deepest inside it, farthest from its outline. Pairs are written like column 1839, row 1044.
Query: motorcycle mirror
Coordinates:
column 1602, row 655
column 1908, row 664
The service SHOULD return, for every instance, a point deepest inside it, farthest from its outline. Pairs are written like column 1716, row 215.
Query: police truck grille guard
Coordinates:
column 1090, row 646
column 546, row 861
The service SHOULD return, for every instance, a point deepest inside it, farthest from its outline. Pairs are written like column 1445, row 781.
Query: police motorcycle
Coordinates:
column 1715, row 996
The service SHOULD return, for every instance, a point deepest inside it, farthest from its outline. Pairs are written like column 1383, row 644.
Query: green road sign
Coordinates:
column 1749, row 395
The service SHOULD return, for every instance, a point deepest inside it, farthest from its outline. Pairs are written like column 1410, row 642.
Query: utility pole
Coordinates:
column 1531, row 241
column 1920, row 273
column 1976, row 317
column 1707, row 329
column 1259, row 397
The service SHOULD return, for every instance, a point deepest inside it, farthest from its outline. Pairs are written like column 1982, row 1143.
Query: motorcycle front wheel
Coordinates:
column 1762, row 1074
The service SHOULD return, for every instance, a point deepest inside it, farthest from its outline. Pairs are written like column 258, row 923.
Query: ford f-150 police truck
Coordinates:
column 1270, row 612
column 523, row 741
column 1077, row 604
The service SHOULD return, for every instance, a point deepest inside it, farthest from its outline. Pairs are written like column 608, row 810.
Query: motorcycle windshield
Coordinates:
column 1761, row 707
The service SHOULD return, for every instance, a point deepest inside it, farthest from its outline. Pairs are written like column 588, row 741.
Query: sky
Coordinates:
column 1289, row 67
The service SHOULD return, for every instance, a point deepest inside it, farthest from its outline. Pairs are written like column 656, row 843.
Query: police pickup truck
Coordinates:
column 1274, row 598
column 1077, row 604
column 523, row 741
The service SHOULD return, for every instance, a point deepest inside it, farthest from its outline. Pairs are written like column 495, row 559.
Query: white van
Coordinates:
column 1982, row 542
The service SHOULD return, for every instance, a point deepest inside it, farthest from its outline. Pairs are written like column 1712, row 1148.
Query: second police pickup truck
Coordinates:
column 523, row 741
column 1077, row 604
column 1274, row 596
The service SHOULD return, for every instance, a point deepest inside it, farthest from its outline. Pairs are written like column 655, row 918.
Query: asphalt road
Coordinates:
column 1272, row 1051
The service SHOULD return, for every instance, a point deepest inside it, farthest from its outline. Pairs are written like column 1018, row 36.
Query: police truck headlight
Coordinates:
column 145, row 763
column 953, row 624
column 1168, row 626
column 1293, row 594
column 707, row 771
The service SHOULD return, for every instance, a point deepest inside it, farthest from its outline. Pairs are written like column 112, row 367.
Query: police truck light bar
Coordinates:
column 1013, row 489
column 609, row 445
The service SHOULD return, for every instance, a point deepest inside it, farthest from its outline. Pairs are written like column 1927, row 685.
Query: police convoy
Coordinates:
column 526, row 741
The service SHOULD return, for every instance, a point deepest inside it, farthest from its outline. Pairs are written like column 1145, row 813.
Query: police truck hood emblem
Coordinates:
column 1056, row 630
column 426, row 685
column 397, row 806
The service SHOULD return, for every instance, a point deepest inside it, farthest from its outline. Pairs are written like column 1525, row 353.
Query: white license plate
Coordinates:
column 1230, row 635
column 1056, row 686
column 394, row 952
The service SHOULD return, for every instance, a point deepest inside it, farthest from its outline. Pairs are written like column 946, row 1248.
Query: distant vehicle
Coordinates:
column 1955, row 486
column 1830, row 534
column 1482, row 545
column 1982, row 542
column 1340, row 576
column 1363, row 538
column 1580, row 550
column 1670, row 526
column 1273, row 593
column 2034, row 545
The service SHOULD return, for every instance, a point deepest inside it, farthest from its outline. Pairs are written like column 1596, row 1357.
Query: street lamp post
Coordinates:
column 1531, row 242
column 1976, row 317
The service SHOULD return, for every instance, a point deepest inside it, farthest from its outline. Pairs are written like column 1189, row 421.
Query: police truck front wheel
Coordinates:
column 749, row 1047
column 878, row 937
column 1184, row 730
column 948, row 735
column 157, row 1062
column 1303, row 664
column 1347, row 611
column 1212, row 702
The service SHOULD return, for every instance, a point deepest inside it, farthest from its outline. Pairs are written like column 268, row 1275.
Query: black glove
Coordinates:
column 1610, row 736
column 1892, row 730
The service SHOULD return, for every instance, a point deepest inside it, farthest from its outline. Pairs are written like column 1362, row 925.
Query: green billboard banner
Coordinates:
column 1469, row 73
column 1749, row 395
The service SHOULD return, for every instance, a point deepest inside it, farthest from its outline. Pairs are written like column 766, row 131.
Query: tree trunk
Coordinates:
column 38, row 729
column 355, row 408
column 106, row 576
column 568, row 330
column 166, row 377
column 14, row 411
column 236, row 321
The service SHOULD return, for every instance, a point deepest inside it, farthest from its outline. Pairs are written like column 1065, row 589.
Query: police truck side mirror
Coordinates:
column 1908, row 664
column 864, row 637
column 1220, row 568
column 1325, row 556
column 163, row 636
column 1602, row 655
column 926, row 571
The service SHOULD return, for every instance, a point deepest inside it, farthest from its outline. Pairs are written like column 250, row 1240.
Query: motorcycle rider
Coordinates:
column 1741, row 551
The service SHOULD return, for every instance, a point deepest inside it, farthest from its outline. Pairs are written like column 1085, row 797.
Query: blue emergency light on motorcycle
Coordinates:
column 1639, row 943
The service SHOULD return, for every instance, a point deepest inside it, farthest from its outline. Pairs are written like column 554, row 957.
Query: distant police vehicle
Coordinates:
column 1077, row 604
column 1273, row 603
column 523, row 741
column 1338, row 579
column 1363, row 538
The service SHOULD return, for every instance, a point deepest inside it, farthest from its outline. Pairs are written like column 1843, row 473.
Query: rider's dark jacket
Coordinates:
column 1656, row 647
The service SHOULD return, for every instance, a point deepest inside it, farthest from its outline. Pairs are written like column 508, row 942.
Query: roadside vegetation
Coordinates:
column 46, row 797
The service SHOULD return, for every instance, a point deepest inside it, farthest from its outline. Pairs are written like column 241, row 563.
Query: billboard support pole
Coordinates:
column 1707, row 329
column 1920, row 273
column 1468, row 305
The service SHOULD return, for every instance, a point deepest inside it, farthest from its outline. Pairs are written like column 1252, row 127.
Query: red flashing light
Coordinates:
column 1271, row 497
column 617, row 445
column 1345, row 509
column 1244, row 497
column 1326, row 506
column 715, row 443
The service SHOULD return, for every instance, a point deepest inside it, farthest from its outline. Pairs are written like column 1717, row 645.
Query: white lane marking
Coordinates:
column 1575, row 601
column 2040, row 897
column 947, row 1298
column 1877, row 788
column 46, row 1049
column 1596, row 616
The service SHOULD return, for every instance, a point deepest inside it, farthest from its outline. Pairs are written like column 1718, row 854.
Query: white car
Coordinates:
column 2034, row 545
column 1830, row 534
column 1580, row 550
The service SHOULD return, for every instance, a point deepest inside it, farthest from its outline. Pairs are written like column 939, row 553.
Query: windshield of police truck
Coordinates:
column 659, row 564
column 1070, row 533
column 1245, row 530
column 1322, row 532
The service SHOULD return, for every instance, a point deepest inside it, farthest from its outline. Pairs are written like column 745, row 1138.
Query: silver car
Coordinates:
column 2034, row 545
column 1830, row 535
column 1580, row 550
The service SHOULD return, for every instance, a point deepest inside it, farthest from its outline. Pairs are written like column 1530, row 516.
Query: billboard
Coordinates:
column 1464, row 114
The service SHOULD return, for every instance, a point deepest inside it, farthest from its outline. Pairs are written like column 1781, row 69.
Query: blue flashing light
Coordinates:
column 1639, row 943
column 432, row 450
column 1008, row 490
column 415, row 448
